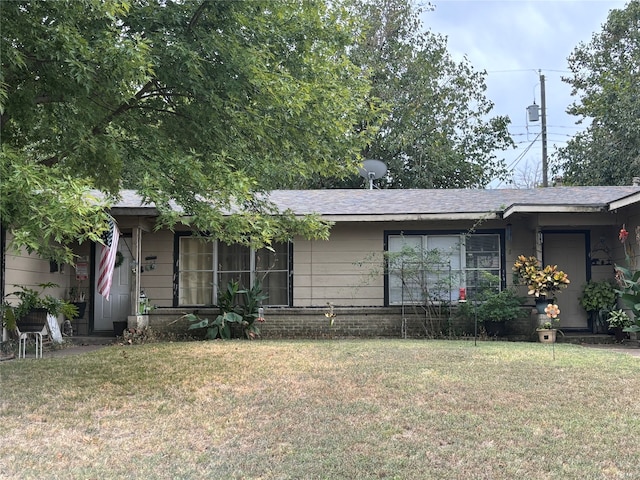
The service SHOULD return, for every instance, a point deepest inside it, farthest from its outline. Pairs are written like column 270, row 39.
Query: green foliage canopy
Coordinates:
column 436, row 129
column 605, row 77
column 47, row 208
column 203, row 103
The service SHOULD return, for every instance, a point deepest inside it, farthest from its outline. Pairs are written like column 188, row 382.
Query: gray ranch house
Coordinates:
column 475, row 231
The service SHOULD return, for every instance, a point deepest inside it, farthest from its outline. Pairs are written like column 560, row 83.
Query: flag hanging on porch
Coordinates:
column 108, row 259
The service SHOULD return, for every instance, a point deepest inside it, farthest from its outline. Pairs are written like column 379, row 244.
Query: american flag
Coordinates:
column 108, row 259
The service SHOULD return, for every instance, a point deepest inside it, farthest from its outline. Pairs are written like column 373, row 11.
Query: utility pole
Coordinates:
column 543, row 108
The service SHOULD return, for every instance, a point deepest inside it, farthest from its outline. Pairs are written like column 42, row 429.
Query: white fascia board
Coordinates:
column 552, row 209
column 625, row 202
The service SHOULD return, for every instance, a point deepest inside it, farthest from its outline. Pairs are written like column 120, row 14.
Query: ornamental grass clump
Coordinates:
column 540, row 282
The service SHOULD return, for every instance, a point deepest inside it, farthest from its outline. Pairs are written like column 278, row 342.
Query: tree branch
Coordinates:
column 98, row 129
column 162, row 110
column 196, row 16
column 45, row 99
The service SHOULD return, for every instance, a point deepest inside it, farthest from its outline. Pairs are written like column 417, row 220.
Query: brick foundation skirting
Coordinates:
column 364, row 322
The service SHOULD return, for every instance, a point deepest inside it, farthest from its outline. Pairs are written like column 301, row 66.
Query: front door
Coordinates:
column 117, row 308
column 568, row 250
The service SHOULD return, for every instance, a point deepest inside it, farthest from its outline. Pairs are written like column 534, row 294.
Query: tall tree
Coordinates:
column 203, row 103
column 606, row 78
column 436, row 127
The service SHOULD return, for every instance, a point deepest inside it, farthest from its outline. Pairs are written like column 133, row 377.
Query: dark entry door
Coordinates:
column 568, row 250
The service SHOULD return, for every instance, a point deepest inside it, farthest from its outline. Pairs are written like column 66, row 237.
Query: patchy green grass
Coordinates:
column 360, row 409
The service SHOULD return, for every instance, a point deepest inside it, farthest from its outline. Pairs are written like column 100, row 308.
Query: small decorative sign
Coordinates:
column 82, row 271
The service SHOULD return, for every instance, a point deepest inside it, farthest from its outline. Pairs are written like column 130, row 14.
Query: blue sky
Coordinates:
column 512, row 40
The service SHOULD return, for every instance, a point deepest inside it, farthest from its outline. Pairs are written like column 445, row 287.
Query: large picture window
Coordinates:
column 206, row 266
column 434, row 268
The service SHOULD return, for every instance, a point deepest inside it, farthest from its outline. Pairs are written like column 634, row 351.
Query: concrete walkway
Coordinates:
column 61, row 352
column 74, row 350
column 630, row 349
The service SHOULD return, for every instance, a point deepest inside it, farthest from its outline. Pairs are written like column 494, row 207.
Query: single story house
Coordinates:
column 480, row 231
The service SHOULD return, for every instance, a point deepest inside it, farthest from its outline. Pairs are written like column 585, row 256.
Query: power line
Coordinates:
column 517, row 160
column 578, row 127
column 519, row 70
column 514, row 163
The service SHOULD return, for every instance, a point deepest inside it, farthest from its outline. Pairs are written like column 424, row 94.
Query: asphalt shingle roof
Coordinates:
column 380, row 202
column 422, row 201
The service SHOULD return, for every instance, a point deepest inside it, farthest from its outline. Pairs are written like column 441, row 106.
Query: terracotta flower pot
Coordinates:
column 547, row 335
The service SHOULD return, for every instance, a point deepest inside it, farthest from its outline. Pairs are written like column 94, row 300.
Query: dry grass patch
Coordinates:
column 334, row 409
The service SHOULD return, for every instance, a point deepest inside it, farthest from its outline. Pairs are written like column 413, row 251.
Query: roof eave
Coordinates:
column 134, row 211
column 513, row 209
column 404, row 217
column 625, row 201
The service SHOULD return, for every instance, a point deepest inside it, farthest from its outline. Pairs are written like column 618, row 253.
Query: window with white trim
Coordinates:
column 423, row 268
column 206, row 266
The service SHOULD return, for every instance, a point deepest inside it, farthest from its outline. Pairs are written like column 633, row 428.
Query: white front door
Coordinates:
column 568, row 251
column 117, row 308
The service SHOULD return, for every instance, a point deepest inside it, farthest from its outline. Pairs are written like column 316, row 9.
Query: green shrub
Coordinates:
column 245, row 313
column 502, row 306
column 597, row 296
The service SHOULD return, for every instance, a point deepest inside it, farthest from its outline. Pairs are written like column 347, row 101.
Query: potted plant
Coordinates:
column 542, row 283
column 77, row 298
column 598, row 299
column 30, row 314
column 618, row 320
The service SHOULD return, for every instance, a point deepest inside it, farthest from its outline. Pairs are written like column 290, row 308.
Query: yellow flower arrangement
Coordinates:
column 540, row 281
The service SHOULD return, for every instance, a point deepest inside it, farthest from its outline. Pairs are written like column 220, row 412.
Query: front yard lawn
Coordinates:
column 343, row 409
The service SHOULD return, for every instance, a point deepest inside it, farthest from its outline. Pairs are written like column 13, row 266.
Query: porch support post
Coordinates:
column 136, row 245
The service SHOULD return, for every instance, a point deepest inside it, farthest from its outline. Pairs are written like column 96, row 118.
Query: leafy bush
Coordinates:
column 598, row 299
column 232, row 311
column 629, row 293
column 597, row 296
column 618, row 318
column 493, row 305
column 502, row 306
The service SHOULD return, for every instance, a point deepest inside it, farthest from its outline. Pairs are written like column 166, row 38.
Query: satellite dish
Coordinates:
column 372, row 170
